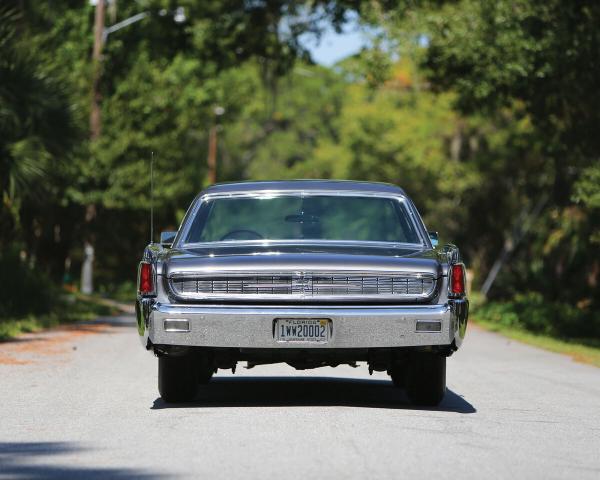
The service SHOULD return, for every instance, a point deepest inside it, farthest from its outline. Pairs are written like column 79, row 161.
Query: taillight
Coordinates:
column 457, row 279
column 146, row 281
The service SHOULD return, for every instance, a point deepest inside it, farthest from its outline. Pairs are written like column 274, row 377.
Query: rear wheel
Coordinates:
column 179, row 376
column 398, row 374
column 204, row 375
column 426, row 378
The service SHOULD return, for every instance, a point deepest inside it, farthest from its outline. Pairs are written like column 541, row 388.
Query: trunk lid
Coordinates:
column 302, row 274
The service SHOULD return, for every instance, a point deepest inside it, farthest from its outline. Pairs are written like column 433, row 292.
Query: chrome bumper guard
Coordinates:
column 351, row 327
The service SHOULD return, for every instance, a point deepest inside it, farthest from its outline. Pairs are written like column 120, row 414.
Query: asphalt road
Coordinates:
column 82, row 402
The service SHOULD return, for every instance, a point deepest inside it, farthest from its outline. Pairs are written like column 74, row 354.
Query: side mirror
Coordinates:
column 166, row 239
column 435, row 240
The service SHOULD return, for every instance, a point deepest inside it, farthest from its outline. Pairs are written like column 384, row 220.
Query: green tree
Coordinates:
column 537, row 61
column 37, row 129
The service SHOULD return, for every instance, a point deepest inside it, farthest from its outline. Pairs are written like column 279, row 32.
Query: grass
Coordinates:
column 580, row 350
column 583, row 350
column 72, row 308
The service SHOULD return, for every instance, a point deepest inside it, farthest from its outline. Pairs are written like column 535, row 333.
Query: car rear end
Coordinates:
column 306, row 303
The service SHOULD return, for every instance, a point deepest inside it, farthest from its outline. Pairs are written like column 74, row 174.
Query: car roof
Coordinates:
column 296, row 185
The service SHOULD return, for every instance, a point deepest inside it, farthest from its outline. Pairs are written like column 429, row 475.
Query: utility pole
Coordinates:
column 212, row 155
column 87, row 267
column 95, row 120
column 212, row 147
column 100, row 37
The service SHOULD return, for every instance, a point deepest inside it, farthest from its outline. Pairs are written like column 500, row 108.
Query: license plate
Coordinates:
column 313, row 330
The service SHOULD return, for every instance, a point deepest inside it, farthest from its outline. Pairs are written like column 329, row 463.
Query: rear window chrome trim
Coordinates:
column 307, row 242
column 405, row 201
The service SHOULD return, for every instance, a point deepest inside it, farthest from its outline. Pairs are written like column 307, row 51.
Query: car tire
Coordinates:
column 204, row 375
column 398, row 374
column 177, row 378
column 426, row 378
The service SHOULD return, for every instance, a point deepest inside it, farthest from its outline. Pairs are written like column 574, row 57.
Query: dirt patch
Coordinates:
column 8, row 360
column 33, row 347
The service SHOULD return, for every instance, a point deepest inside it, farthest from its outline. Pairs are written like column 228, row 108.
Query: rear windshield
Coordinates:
column 295, row 217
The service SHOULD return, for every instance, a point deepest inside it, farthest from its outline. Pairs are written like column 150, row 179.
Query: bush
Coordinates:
column 23, row 290
column 121, row 292
column 532, row 312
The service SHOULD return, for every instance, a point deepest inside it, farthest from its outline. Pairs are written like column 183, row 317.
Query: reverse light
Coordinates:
column 429, row 326
column 457, row 279
column 176, row 325
column 146, row 279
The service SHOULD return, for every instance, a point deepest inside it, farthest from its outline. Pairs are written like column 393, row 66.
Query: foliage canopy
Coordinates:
column 484, row 111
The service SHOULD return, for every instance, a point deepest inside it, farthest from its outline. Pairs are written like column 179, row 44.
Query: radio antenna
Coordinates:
column 152, row 198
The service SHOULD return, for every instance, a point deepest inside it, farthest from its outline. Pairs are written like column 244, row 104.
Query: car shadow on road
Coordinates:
column 311, row 392
column 38, row 460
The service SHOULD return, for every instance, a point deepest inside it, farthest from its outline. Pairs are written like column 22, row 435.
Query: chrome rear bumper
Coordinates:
column 253, row 326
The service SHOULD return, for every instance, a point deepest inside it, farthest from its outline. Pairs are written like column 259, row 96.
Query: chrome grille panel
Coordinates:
column 303, row 286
